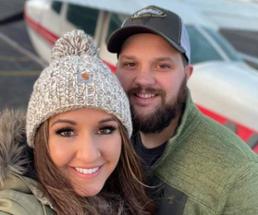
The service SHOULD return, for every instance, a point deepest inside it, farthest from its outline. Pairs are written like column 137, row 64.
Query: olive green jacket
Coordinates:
column 19, row 195
column 205, row 170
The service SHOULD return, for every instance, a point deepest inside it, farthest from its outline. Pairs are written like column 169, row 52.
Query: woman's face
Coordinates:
column 85, row 145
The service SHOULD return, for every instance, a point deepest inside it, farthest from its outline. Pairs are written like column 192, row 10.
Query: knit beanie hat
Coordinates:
column 75, row 78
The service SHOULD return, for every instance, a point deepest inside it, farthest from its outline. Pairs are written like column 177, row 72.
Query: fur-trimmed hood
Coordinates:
column 13, row 147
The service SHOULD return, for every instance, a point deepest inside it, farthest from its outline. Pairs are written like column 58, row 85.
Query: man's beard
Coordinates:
column 161, row 117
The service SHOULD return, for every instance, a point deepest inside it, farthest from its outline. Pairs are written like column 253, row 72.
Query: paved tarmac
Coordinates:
column 10, row 8
column 19, row 65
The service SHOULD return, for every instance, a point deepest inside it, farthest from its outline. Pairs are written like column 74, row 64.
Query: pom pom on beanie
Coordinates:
column 74, row 43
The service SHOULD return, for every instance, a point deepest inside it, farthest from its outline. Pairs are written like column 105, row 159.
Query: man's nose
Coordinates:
column 88, row 149
column 145, row 76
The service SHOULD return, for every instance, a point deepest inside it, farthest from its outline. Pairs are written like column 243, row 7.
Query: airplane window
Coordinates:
column 83, row 18
column 224, row 44
column 114, row 23
column 56, row 6
column 201, row 49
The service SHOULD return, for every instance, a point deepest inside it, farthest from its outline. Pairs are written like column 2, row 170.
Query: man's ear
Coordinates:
column 188, row 70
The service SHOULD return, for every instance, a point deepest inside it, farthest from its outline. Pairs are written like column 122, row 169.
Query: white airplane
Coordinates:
column 234, row 14
column 222, row 85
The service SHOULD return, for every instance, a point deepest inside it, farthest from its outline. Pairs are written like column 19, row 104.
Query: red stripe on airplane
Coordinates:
column 41, row 30
column 111, row 66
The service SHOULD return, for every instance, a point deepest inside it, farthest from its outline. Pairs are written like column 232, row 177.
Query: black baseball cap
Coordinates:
column 153, row 19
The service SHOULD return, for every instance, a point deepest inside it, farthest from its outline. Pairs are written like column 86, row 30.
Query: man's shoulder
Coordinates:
column 205, row 169
column 198, row 132
column 213, row 140
column 206, row 163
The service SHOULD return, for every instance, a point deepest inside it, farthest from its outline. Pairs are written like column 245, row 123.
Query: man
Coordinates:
column 196, row 166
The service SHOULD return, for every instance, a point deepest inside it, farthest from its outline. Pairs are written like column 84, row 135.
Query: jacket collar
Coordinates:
column 189, row 120
column 14, row 159
column 12, row 143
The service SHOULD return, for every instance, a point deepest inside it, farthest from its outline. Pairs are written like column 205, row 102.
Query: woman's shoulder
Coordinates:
column 13, row 147
column 21, row 195
column 18, row 194
column 15, row 155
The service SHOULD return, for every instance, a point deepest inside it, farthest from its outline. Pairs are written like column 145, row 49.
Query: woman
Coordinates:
column 78, row 125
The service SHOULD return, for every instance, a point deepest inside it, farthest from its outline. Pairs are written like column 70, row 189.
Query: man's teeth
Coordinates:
column 145, row 95
column 87, row 171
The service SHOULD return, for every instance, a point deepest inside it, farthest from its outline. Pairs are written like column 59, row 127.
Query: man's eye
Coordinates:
column 106, row 130
column 65, row 132
column 128, row 65
column 164, row 66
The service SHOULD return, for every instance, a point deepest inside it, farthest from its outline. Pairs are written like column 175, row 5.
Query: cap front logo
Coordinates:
column 151, row 11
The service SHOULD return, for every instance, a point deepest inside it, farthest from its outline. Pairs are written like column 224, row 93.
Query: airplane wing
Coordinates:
column 222, row 13
column 185, row 10
column 231, row 14
column 125, row 7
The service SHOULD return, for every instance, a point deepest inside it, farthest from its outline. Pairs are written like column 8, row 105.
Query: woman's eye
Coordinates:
column 106, row 130
column 65, row 132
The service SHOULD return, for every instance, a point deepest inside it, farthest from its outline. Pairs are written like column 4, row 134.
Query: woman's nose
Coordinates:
column 88, row 150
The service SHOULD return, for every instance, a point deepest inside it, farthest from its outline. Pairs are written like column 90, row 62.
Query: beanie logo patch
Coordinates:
column 85, row 75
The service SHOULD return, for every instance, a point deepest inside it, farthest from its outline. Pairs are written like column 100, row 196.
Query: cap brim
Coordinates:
column 117, row 39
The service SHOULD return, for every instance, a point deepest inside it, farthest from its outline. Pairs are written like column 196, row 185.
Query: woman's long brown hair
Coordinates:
column 123, row 193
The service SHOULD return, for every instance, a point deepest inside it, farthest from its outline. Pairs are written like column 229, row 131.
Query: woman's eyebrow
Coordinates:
column 63, row 121
column 109, row 119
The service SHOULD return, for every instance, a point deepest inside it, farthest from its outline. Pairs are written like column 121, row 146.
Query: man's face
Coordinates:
column 152, row 73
